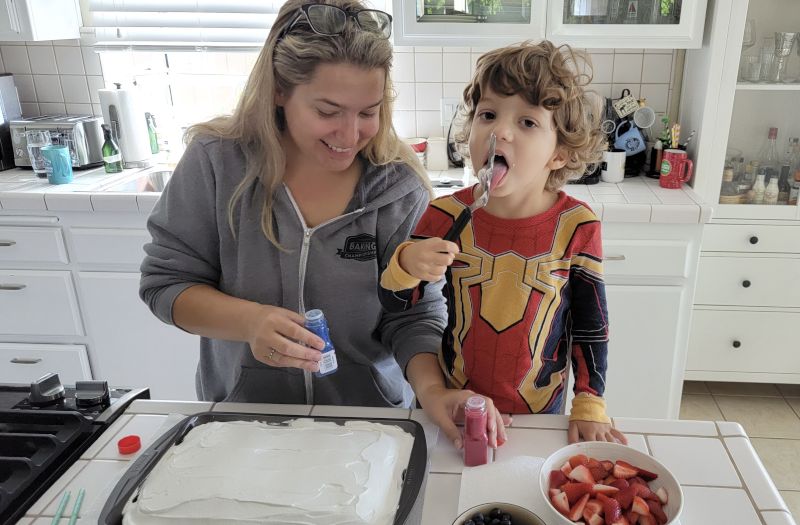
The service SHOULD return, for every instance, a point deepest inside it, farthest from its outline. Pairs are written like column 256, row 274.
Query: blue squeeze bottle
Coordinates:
column 315, row 322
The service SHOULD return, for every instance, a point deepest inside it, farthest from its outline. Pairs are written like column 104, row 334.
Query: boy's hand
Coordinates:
column 445, row 407
column 593, row 431
column 428, row 259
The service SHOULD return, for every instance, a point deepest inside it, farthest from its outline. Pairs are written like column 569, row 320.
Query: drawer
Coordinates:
column 24, row 363
column 27, row 244
column 751, row 238
column 742, row 341
column 38, row 303
column 109, row 246
column 748, row 281
column 645, row 258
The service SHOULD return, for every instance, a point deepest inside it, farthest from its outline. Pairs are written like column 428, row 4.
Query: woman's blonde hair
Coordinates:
column 285, row 62
column 554, row 78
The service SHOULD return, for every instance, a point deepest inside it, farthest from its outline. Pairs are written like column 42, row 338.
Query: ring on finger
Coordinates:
column 272, row 354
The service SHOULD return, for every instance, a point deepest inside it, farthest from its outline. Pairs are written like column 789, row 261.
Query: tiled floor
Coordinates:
column 770, row 414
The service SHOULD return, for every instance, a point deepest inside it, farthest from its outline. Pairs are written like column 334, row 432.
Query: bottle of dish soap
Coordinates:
column 151, row 132
column 112, row 158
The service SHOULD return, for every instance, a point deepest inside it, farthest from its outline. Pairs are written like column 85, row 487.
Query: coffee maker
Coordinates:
column 10, row 109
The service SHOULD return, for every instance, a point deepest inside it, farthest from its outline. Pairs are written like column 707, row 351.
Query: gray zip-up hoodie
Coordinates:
column 334, row 266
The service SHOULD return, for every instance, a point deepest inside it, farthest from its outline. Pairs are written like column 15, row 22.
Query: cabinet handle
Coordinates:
column 7, row 243
column 26, row 360
column 737, row 344
column 746, row 283
column 13, row 286
column 614, row 257
column 753, row 240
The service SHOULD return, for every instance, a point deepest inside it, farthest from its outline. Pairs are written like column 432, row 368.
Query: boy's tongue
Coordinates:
column 499, row 171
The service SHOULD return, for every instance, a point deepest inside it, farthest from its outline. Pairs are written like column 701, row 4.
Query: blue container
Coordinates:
column 58, row 163
column 315, row 322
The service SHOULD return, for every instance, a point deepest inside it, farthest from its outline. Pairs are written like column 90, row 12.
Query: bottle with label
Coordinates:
column 476, row 440
column 794, row 190
column 768, row 157
column 729, row 192
column 151, row 132
column 112, row 158
column 771, row 191
column 316, row 323
column 758, row 189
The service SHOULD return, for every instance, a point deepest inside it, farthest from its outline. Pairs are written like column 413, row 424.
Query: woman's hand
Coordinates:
column 445, row 407
column 428, row 259
column 278, row 338
column 593, row 431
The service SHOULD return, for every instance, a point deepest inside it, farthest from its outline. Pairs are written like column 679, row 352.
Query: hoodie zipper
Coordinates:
column 307, row 233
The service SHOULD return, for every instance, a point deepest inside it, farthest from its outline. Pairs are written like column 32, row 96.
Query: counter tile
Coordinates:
column 638, row 442
column 114, row 202
column 530, row 442
column 101, row 442
column 148, row 427
column 430, row 428
column 730, row 428
column 57, row 201
column 682, row 455
column 676, row 214
column 610, row 199
column 445, row 458
column 627, row 213
column 56, row 488
column 147, row 201
column 147, row 406
column 551, row 421
column 605, row 188
column 368, row 412
column 23, row 201
column 440, row 506
column 755, row 476
column 719, row 506
column 97, row 479
column 264, row 408
column 28, row 521
column 662, row 426
column 777, row 518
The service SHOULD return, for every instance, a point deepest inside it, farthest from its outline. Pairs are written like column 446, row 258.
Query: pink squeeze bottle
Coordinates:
column 476, row 442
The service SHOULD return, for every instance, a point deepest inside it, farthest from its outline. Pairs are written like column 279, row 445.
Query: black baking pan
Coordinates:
column 413, row 475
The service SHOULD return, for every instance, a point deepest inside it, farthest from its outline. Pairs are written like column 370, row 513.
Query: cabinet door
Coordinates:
column 645, row 357
column 627, row 23
column 25, row 363
column 131, row 347
column 9, row 23
column 39, row 19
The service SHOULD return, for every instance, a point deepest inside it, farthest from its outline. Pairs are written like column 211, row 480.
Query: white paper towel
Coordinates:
column 513, row 481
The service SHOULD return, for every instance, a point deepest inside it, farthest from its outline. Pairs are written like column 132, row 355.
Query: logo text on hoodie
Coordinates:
column 361, row 247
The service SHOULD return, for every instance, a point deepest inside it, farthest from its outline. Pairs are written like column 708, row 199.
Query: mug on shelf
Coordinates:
column 629, row 138
column 676, row 169
column 612, row 169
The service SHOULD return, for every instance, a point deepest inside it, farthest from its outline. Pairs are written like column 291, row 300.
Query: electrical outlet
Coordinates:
column 448, row 109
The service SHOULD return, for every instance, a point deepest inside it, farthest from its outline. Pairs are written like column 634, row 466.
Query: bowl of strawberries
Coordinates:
column 601, row 483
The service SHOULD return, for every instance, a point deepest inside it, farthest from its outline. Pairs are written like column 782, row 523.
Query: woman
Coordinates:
column 294, row 202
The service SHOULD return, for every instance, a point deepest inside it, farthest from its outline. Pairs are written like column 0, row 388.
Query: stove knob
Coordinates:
column 46, row 390
column 91, row 393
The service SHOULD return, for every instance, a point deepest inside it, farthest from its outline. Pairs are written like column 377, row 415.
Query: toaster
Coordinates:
column 81, row 133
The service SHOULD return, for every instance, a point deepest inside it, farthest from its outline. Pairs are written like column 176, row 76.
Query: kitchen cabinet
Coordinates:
column 649, row 24
column 29, row 20
column 747, row 305
column 24, row 363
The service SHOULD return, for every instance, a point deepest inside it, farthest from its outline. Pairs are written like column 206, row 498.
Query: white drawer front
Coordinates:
column 23, row 363
column 744, row 341
column 38, row 303
column 748, row 281
column 109, row 246
column 751, row 238
column 27, row 244
column 645, row 258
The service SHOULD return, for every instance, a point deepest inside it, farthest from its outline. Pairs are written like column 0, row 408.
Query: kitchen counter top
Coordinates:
column 723, row 480
column 636, row 200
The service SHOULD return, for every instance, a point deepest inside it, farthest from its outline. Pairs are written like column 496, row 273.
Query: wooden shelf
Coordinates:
column 767, row 87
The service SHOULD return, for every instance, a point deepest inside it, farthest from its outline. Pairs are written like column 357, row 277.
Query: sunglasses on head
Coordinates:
column 330, row 20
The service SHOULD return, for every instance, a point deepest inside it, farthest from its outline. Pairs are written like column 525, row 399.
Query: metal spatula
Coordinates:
column 485, row 180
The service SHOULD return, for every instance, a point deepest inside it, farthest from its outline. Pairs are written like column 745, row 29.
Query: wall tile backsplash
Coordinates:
column 63, row 76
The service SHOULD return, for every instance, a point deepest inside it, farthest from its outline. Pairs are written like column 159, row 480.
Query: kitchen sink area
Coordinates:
column 148, row 180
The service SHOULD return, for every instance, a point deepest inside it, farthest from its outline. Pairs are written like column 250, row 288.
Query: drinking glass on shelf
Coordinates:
column 783, row 48
column 767, row 55
column 749, row 34
column 37, row 139
column 750, row 68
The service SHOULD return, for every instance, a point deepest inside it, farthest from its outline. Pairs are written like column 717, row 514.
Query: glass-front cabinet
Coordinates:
column 627, row 23
column 648, row 24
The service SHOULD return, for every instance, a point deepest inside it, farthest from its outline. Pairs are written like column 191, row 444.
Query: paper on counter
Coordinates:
column 513, row 481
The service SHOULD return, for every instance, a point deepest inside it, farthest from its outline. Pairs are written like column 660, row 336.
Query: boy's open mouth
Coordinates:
column 500, row 169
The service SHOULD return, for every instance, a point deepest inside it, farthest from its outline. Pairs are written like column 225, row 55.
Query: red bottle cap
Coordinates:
column 129, row 444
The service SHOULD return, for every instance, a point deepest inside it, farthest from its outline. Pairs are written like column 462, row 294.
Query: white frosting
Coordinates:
column 306, row 472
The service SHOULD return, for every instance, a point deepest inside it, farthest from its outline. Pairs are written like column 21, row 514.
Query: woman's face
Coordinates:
column 330, row 119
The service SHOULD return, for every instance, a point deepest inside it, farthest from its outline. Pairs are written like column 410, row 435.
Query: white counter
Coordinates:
column 638, row 199
column 722, row 478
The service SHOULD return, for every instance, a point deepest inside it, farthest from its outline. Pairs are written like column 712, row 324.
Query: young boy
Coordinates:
column 524, row 281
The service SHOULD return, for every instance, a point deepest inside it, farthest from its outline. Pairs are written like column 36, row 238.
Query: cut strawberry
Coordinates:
column 608, row 465
column 553, row 492
column 598, row 472
column 576, row 512
column 592, row 508
column 608, row 490
column 578, row 459
column 594, row 519
column 632, row 516
column 575, row 491
column 637, row 480
column 619, row 483
column 566, row 468
column 662, row 495
column 647, row 520
column 657, row 512
column 622, row 520
column 625, row 497
column 639, row 506
column 581, row 474
column 593, row 463
column 624, row 470
column 646, row 474
column 644, row 491
column 611, row 509
column 560, row 503
column 609, row 480
column 557, row 478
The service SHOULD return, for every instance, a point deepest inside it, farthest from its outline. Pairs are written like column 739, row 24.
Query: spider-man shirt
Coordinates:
column 521, row 294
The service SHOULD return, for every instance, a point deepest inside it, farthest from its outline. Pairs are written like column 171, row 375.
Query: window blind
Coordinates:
column 179, row 24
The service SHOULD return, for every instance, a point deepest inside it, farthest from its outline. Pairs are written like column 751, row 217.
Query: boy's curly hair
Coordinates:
column 554, row 78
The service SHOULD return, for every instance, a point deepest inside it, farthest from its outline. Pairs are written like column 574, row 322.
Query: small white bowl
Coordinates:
column 602, row 450
column 520, row 515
